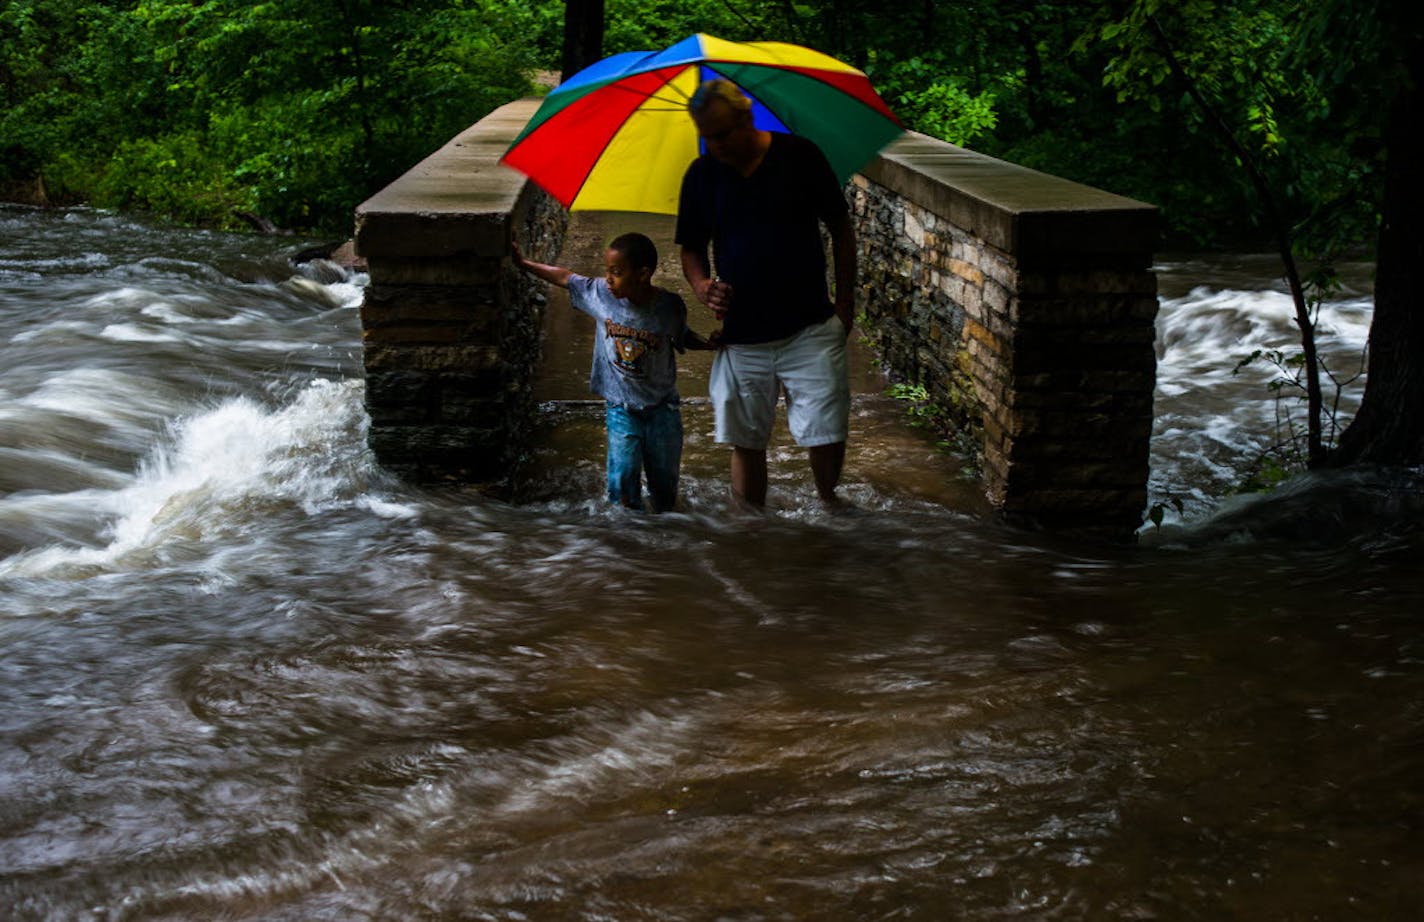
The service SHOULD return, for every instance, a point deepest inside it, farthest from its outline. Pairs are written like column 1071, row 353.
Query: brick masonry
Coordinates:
column 450, row 328
column 1031, row 317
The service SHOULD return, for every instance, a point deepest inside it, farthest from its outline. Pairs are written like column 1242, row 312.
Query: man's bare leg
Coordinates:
column 826, row 464
column 749, row 476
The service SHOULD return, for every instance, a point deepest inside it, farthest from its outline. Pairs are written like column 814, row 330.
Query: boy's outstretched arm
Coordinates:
column 554, row 275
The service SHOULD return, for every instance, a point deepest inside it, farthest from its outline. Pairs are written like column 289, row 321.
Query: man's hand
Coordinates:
column 717, row 295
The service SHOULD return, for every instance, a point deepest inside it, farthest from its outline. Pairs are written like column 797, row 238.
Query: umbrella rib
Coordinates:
column 673, row 102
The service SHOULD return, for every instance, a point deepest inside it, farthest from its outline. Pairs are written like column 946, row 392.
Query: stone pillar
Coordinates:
column 1067, row 437
column 450, row 328
column 1026, row 303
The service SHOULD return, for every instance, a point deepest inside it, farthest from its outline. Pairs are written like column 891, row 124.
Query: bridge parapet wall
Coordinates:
column 450, row 328
column 1024, row 304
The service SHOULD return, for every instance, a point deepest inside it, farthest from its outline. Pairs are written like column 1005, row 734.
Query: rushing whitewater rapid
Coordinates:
column 1215, row 416
column 246, row 674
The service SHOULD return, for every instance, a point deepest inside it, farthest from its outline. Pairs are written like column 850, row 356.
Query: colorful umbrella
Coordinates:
column 616, row 136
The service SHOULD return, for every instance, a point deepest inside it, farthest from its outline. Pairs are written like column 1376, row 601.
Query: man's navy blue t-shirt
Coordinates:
column 765, row 236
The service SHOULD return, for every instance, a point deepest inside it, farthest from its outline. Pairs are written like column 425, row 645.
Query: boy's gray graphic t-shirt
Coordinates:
column 633, row 359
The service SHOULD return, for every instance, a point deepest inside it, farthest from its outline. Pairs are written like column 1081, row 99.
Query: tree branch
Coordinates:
column 1314, row 402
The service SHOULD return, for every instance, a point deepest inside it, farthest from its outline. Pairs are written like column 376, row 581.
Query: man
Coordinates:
column 759, row 198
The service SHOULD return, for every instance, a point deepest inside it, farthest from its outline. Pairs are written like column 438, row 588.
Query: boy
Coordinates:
column 634, row 366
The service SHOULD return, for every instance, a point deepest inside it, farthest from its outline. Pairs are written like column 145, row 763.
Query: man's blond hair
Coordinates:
column 718, row 88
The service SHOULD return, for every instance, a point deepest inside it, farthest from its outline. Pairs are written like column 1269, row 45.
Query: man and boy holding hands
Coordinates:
column 757, row 199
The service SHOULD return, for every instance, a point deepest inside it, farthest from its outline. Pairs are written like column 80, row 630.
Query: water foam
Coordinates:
column 1214, row 415
column 1203, row 335
column 132, row 333
column 225, row 471
column 101, row 394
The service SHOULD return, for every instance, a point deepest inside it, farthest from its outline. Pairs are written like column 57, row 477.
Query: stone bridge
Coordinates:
column 1023, row 303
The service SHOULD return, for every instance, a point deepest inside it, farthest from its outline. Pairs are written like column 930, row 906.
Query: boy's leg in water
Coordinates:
column 662, row 454
column 625, row 457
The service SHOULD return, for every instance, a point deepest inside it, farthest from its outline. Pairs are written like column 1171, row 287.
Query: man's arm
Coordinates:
column 697, row 269
column 843, row 253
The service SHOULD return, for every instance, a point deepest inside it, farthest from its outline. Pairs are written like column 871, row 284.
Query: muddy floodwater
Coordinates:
column 244, row 674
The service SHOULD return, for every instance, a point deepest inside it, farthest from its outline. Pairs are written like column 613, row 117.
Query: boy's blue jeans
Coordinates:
column 644, row 440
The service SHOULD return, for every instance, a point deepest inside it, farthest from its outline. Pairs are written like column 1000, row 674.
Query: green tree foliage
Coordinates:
column 928, row 95
column 293, row 109
column 1255, row 83
column 1025, row 81
column 644, row 25
column 1318, row 109
column 74, row 79
column 299, row 110
column 1230, row 65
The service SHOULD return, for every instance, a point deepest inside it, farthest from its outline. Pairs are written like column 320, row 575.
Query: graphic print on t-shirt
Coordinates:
column 630, row 346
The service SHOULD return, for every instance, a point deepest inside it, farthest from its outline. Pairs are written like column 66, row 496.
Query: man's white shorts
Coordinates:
column 810, row 366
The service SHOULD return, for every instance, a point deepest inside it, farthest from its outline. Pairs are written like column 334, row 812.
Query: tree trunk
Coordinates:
column 583, row 35
column 1033, row 73
column 1389, row 428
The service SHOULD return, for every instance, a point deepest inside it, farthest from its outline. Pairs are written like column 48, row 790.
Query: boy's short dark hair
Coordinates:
column 639, row 249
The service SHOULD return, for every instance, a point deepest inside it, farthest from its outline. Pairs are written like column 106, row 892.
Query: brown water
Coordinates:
column 247, row 676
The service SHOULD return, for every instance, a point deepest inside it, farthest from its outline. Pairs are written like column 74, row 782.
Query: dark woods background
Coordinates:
column 297, row 110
